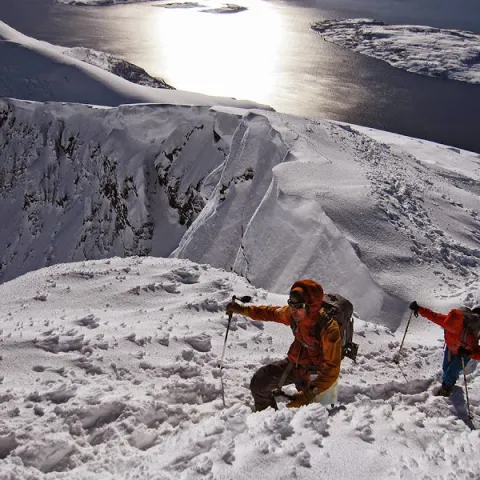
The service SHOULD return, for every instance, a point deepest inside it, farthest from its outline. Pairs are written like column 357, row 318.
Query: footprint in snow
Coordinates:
column 56, row 344
column 201, row 342
column 42, row 297
column 8, row 443
column 183, row 275
column 90, row 321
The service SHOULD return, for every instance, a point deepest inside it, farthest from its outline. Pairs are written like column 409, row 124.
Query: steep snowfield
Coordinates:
column 271, row 196
column 110, row 371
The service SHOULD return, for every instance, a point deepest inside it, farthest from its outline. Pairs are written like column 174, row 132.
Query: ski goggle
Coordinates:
column 296, row 305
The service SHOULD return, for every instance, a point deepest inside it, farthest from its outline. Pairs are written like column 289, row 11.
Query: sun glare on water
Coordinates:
column 198, row 51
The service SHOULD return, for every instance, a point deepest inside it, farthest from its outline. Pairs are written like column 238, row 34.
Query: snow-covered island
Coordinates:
column 218, row 8
column 452, row 54
column 130, row 215
column 212, row 7
column 100, row 3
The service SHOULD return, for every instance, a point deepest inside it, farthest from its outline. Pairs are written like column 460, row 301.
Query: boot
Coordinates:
column 444, row 391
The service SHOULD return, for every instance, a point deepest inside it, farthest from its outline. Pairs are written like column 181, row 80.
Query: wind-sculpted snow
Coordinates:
column 126, row 404
column 272, row 197
column 305, row 198
column 452, row 54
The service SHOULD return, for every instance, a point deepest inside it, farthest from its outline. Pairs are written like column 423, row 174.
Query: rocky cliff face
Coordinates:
column 78, row 182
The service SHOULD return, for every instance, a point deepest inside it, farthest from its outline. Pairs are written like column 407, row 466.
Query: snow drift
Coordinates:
column 110, row 370
column 272, row 197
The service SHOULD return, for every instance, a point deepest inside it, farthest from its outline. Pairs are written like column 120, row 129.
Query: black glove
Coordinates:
column 414, row 306
column 463, row 352
column 233, row 307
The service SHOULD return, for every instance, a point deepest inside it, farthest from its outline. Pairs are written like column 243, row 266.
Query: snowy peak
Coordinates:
column 272, row 197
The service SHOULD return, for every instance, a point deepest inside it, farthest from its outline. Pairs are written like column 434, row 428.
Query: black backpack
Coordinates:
column 340, row 309
column 471, row 322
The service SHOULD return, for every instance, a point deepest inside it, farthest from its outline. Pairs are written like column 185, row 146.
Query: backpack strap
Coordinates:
column 320, row 324
column 349, row 349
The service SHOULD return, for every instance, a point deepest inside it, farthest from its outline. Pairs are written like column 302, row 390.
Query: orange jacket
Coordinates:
column 322, row 354
column 454, row 331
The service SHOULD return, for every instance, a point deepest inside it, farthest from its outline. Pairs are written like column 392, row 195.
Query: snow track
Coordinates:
column 118, row 401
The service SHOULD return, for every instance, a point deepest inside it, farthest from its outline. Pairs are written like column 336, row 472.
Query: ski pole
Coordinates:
column 466, row 389
column 403, row 339
column 223, row 353
column 244, row 299
column 226, row 334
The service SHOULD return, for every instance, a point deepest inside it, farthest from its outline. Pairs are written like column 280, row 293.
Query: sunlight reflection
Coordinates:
column 207, row 52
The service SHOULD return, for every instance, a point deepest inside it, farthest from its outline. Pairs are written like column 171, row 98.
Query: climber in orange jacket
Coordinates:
column 316, row 350
column 462, row 331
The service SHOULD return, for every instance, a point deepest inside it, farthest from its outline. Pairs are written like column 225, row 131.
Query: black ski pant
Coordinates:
column 265, row 381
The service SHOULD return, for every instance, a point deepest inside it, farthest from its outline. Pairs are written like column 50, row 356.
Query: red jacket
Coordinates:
column 321, row 354
column 455, row 337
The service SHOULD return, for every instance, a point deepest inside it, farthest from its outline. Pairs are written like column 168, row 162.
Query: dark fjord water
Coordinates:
column 269, row 54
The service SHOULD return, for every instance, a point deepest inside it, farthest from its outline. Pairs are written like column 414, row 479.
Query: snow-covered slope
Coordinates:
column 272, row 197
column 81, row 182
column 35, row 70
column 109, row 371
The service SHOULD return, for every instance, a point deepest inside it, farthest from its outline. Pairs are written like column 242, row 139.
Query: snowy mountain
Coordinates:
column 110, row 371
column 269, row 196
column 109, row 367
column 42, row 72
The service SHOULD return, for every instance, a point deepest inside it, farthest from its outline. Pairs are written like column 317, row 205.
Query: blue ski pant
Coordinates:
column 452, row 367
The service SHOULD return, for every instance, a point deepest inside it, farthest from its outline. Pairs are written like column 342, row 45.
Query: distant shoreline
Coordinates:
column 434, row 52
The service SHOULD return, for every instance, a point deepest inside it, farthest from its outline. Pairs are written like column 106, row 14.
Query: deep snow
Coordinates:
column 110, row 370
